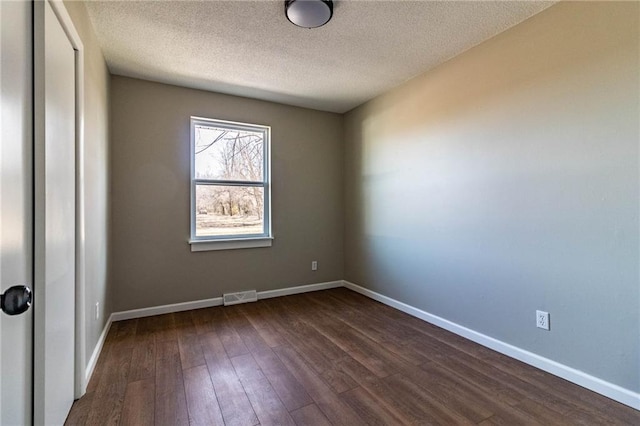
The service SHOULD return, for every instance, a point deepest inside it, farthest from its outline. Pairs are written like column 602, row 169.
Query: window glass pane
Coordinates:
column 228, row 154
column 229, row 210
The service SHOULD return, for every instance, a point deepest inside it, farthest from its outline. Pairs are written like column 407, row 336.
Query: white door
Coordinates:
column 54, row 218
column 37, row 369
column 15, row 207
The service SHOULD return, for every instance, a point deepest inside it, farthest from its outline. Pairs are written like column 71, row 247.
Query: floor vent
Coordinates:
column 239, row 297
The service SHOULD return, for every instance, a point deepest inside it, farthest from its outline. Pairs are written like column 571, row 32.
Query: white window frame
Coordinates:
column 226, row 242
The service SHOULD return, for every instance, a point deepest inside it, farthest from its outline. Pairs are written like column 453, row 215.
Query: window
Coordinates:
column 230, row 192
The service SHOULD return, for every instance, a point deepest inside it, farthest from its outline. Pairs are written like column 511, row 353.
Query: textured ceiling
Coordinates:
column 248, row 48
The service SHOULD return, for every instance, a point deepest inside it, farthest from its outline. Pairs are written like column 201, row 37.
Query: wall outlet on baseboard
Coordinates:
column 97, row 311
column 314, row 265
column 542, row 320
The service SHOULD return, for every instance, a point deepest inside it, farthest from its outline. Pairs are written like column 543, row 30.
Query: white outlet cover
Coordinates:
column 542, row 320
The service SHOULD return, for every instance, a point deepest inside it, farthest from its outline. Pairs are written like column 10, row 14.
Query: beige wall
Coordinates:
column 95, row 158
column 505, row 181
column 151, row 261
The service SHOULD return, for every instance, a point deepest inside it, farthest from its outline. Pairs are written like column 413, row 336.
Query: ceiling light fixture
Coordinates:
column 308, row 13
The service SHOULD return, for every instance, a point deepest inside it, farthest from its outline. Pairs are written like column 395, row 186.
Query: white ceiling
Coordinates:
column 248, row 48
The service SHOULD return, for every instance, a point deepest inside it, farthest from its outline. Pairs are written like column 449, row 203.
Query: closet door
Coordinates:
column 16, row 211
column 54, row 216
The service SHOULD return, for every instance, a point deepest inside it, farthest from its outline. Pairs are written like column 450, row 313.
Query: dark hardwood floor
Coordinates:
column 329, row 357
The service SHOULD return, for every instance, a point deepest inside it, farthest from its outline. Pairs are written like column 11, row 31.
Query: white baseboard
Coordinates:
column 217, row 301
column 610, row 390
column 299, row 289
column 166, row 309
column 91, row 365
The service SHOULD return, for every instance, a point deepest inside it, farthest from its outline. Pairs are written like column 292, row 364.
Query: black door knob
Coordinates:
column 15, row 300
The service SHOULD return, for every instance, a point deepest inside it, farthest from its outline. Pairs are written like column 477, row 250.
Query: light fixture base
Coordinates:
column 308, row 13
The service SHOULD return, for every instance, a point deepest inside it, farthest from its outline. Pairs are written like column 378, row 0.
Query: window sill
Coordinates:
column 232, row 244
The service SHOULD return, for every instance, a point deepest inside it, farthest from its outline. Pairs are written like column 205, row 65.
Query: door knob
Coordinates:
column 16, row 300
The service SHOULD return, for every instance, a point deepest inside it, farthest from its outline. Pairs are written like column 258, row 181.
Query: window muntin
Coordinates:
column 229, row 180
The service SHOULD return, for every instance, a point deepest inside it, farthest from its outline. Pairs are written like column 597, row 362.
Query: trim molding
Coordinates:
column 299, row 289
column 166, row 309
column 91, row 365
column 610, row 390
column 238, row 243
column 217, row 301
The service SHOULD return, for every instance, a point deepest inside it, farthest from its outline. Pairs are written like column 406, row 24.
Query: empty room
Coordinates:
column 315, row 212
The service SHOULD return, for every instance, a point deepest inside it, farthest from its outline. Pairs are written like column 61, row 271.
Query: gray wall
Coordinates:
column 151, row 261
column 505, row 181
column 96, row 191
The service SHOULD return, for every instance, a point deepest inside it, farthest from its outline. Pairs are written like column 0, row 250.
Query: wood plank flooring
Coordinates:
column 322, row 358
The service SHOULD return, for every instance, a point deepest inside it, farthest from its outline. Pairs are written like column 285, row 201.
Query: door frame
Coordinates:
column 80, row 365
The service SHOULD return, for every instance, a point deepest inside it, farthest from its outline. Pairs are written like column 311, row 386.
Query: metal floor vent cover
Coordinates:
column 239, row 297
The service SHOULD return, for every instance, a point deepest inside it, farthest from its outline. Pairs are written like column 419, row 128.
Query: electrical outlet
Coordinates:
column 542, row 320
column 97, row 310
column 314, row 265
